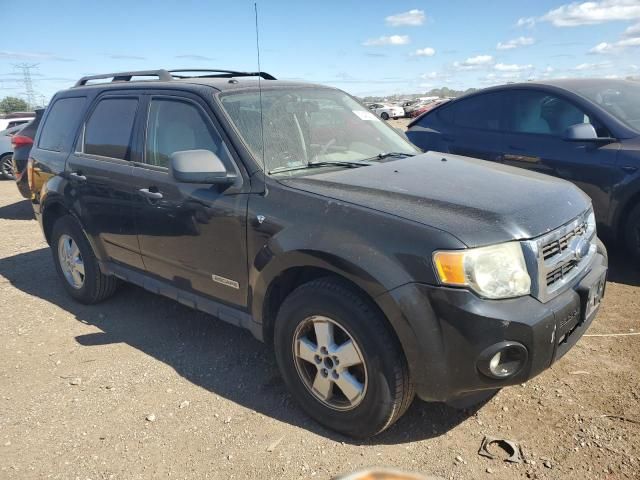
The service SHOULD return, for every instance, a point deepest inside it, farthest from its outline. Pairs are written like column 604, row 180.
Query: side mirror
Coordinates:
column 584, row 132
column 199, row 166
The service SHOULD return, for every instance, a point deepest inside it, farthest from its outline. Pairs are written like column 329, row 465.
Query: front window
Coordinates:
column 620, row 99
column 307, row 127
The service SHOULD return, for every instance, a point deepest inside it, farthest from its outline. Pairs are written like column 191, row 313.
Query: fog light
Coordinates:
column 503, row 360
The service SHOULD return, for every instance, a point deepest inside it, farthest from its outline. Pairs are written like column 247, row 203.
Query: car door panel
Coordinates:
column 101, row 190
column 193, row 235
column 536, row 121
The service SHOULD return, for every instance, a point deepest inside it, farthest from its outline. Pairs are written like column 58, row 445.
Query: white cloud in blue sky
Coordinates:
column 375, row 47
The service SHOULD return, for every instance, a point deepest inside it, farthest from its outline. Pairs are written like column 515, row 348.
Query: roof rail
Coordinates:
column 218, row 73
column 162, row 75
column 168, row 75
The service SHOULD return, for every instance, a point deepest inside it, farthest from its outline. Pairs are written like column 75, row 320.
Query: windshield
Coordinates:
column 310, row 127
column 622, row 100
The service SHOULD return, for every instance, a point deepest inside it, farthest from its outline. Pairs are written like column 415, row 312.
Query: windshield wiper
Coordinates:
column 382, row 156
column 340, row 163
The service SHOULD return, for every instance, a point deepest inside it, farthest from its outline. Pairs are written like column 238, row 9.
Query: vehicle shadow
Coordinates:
column 21, row 210
column 210, row 353
column 621, row 268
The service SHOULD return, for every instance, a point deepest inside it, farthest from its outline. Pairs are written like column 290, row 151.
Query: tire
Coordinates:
column 6, row 167
column 632, row 233
column 93, row 286
column 384, row 115
column 381, row 378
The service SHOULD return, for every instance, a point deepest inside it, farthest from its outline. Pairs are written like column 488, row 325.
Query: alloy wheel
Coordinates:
column 330, row 363
column 71, row 261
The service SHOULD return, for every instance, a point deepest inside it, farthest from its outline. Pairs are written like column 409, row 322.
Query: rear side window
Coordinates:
column 478, row 111
column 109, row 128
column 174, row 126
column 60, row 127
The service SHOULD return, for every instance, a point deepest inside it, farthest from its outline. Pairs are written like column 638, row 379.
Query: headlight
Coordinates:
column 497, row 271
column 591, row 221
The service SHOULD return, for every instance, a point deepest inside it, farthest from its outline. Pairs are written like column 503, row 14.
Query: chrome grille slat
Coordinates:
column 555, row 263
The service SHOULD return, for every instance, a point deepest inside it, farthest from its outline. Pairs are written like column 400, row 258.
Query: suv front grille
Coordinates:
column 559, row 257
column 561, row 244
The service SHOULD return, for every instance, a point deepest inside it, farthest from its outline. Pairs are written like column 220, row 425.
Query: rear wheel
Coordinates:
column 77, row 265
column 340, row 360
column 6, row 167
column 385, row 116
column 632, row 233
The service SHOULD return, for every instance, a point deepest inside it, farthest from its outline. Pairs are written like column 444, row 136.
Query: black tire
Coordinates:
column 632, row 233
column 388, row 391
column 384, row 115
column 96, row 286
column 6, row 167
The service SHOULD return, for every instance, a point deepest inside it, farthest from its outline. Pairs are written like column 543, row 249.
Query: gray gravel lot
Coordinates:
column 142, row 387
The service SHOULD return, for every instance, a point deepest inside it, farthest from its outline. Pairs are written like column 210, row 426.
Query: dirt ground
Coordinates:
column 142, row 387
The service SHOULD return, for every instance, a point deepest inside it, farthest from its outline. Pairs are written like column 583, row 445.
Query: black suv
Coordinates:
column 291, row 210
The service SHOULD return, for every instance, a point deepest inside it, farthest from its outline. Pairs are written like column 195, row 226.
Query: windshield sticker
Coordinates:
column 365, row 115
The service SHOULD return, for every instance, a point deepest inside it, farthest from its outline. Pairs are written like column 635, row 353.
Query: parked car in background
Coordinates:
column 386, row 110
column 22, row 142
column 373, row 271
column 583, row 130
column 426, row 107
column 10, row 120
column 6, row 152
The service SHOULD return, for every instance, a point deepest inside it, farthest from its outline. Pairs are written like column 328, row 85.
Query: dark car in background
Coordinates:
column 586, row 131
column 22, row 142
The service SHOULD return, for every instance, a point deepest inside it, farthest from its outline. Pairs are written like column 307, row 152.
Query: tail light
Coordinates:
column 20, row 141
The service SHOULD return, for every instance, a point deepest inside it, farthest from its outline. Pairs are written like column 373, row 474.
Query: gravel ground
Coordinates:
column 142, row 387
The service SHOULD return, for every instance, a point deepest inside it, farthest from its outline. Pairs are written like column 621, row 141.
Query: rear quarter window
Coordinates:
column 61, row 123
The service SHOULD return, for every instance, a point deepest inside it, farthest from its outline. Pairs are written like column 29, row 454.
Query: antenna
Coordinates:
column 264, row 167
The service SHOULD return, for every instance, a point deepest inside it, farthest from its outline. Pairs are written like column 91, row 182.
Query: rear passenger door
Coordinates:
column 469, row 126
column 192, row 235
column 99, row 172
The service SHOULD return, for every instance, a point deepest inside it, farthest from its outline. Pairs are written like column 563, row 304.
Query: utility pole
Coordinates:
column 25, row 69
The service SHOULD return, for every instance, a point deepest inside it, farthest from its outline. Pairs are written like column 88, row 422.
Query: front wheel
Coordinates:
column 6, row 167
column 340, row 360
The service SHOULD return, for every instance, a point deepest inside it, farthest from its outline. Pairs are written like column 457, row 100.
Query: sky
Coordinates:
column 366, row 47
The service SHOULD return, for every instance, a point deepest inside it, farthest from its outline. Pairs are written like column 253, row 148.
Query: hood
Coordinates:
column 478, row 202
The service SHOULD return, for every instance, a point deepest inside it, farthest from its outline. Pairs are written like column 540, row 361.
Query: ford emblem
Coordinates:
column 580, row 247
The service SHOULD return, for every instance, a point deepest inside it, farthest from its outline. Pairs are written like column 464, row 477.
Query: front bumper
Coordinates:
column 451, row 328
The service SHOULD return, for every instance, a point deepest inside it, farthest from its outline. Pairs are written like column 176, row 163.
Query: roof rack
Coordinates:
column 217, row 73
column 168, row 75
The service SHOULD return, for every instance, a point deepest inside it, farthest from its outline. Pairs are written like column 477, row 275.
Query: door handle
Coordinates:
column 149, row 194
column 630, row 169
column 78, row 176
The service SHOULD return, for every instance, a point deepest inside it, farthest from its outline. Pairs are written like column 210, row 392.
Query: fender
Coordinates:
column 52, row 197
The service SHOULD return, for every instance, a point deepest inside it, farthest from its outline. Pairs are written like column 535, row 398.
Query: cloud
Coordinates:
column 503, row 67
column 593, row 12
column 412, row 18
column 387, row 40
column 616, row 47
column 190, row 56
column 33, row 56
column 375, row 54
column 435, row 76
column 527, row 22
column 632, row 31
column 118, row 56
column 473, row 63
column 424, row 52
column 591, row 66
column 515, row 43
